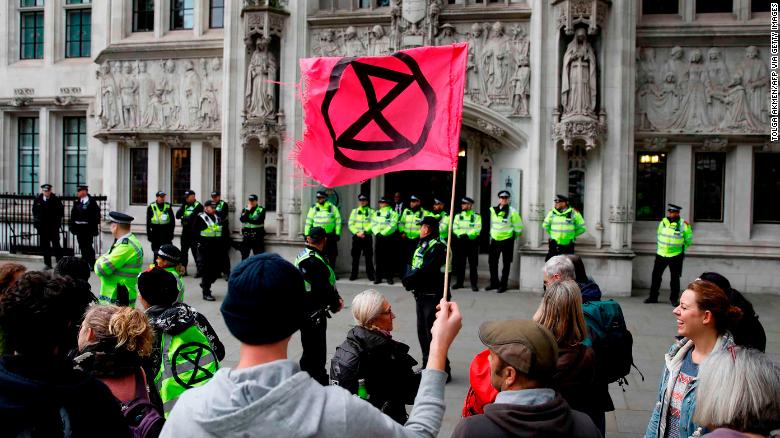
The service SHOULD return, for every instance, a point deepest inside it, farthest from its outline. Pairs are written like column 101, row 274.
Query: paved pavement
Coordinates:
column 653, row 328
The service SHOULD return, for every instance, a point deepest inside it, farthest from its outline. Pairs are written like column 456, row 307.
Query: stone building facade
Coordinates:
column 624, row 105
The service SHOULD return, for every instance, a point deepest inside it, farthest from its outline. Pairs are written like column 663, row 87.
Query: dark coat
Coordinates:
column 89, row 214
column 260, row 220
column 429, row 278
column 386, row 366
column 186, row 222
column 317, row 275
column 550, row 420
column 575, row 380
column 35, row 395
column 160, row 232
column 47, row 215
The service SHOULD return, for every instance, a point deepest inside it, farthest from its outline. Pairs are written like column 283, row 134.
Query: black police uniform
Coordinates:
column 208, row 257
column 222, row 211
column 47, row 218
column 187, row 238
column 322, row 297
column 160, row 234
column 84, row 223
column 253, row 236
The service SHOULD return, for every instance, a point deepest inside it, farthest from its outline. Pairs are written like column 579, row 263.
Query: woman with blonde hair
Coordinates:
column 561, row 312
column 371, row 355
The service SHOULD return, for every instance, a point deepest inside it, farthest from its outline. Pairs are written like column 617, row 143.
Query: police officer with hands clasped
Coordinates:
column 674, row 236
column 222, row 211
column 466, row 228
column 187, row 213
column 84, row 223
column 384, row 225
column 326, row 215
column 563, row 224
column 207, row 230
column 362, row 241
column 47, row 213
column 252, row 228
column 321, row 298
column 505, row 225
column 160, row 222
column 118, row 269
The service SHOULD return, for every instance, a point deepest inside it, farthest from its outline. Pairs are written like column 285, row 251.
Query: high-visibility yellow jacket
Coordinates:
column 325, row 215
column 505, row 225
column 564, row 226
column 674, row 237
column 120, row 266
column 360, row 220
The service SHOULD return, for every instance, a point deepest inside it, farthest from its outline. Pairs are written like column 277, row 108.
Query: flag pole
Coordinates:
column 449, row 234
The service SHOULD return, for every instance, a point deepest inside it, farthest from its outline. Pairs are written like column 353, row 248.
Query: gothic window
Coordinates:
column 709, row 173
column 28, row 155
column 217, row 169
column 270, row 160
column 78, row 33
column 660, row 7
column 577, row 160
column 31, row 29
column 766, row 188
column 139, row 175
column 180, row 173
column 182, row 14
column 217, row 14
column 143, row 15
column 650, row 186
column 714, row 6
column 74, row 151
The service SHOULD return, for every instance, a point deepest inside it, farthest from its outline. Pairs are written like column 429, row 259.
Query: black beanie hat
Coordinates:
column 263, row 302
column 158, row 287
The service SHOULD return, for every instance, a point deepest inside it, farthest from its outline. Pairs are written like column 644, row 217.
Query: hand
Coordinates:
column 446, row 327
column 361, row 234
column 341, row 305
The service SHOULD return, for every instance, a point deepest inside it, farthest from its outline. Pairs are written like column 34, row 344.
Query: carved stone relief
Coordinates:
column 591, row 13
column 725, row 91
column 260, row 91
column 159, row 95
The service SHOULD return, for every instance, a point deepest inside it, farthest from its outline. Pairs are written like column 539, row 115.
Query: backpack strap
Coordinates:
column 141, row 390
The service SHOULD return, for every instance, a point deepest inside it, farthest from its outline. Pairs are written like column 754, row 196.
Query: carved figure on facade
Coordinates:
column 755, row 78
column 474, row 82
column 446, row 35
column 128, row 91
column 495, row 62
column 378, row 42
column 521, row 45
column 395, row 24
column 260, row 90
column 352, row 44
column 738, row 116
column 693, row 114
column 168, row 87
column 145, row 94
column 209, row 107
column 578, row 82
column 328, row 46
column 521, row 86
column 434, row 11
column 191, row 96
column 716, row 82
column 107, row 113
column 676, row 65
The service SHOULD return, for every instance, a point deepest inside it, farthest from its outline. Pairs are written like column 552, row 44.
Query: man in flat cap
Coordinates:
column 84, row 223
column 160, row 222
column 252, row 228
column 408, row 227
column 523, row 357
column 326, row 215
column 505, row 225
column 384, row 225
column 47, row 213
column 118, row 269
column 207, row 231
column 466, row 228
column 563, row 224
column 675, row 235
column 221, row 209
column 362, row 242
column 187, row 214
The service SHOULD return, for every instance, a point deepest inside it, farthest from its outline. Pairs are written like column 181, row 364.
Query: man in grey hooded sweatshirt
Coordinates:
column 267, row 395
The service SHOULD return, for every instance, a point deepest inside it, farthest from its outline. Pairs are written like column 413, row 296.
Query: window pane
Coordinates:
column 759, row 6
column 766, row 188
column 270, row 188
column 577, row 163
column 138, row 175
column 31, row 33
column 659, row 7
column 382, row 3
column 27, row 155
column 708, row 187
column 29, row 3
column 217, row 16
column 180, row 173
column 710, row 6
column 218, row 169
column 143, row 15
column 182, row 14
column 650, row 186
column 75, row 152
column 78, row 33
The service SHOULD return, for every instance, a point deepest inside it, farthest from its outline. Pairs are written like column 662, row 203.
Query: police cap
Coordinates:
column 214, row 193
column 209, row 203
column 504, row 194
column 316, row 234
column 321, row 194
column 384, row 200
column 673, row 207
column 437, row 201
column 252, row 197
column 429, row 220
column 169, row 252
column 414, row 198
column 561, row 198
column 46, row 186
column 120, row 218
column 82, row 187
column 189, row 192
column 362, row 197
column 160, row 193
column 467, row 200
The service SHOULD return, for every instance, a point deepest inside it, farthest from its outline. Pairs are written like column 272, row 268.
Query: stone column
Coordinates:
column 110, row 172
column 4, row 159
column 154, row 169
column 742, row 221
column 679, row 179
column 542, row 90
column 50, row 36
column 200, row 18
column 198, row 174
column 159, row 18
column 45, row 149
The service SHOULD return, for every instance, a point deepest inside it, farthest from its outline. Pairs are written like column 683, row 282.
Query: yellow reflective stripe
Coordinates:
column 104, row 264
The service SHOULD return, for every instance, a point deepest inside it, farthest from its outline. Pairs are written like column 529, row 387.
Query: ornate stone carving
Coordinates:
column 447, row 35
column 129, row 140
column 260, row 133
column 619, row 214
column 209, row 108
column 714, row 144
column 19, row 101
column 536, row 212
column 579, row 87
column 592, row 13
column 353, row 46
column 490, row 129
column 173, row 141
column 521, row 89
column 434, row 11
column 475, row 86
column 579, row 129
column 65, row 100
column 655, row 144
column 128, row 97
column 378, row 42
column 107, row 110
column 698, row 95
column 496, row 60
column 260, row 90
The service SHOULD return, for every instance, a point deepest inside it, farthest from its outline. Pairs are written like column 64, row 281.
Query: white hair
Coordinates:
column 739, row 390
column 367, row 306
column 560, row 265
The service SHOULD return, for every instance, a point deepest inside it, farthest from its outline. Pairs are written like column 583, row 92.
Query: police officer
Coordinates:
column 425, row 278
column 168, row 257
column 222, row 211
column 160, row 222
column 674, row 237
column 384, row 225
column 409, row 229
column 84, row 223
column 360, row 226
column 187, row 214
column 466, row 228
column 563, row 224
column 321, row 297
column 253, row 228
column 505, row 225
column 207, row 230
column 47, row 213
column 444, row 218
column 327, row 216
column 119, row 268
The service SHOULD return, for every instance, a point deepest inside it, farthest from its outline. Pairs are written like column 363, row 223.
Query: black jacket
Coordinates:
column 160, row 232
column 47, row 215
column 550, row 420
column 199, row 224
column 317, row 275
column 186, row 223
column 35, row 395
column 88, row 214
column 428, row 278
column 260, row 220
column 386, row 366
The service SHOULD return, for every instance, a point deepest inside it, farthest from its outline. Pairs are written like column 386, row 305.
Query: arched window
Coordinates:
column 577, row 160
column 270, row 160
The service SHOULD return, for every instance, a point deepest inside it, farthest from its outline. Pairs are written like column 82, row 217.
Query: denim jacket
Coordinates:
column 656, row 428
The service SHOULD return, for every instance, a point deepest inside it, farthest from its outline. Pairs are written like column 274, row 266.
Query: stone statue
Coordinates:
column 495, row 63
column 647, row 65
column 395, row 25
column 128, row 90
column 260, row 97
column 677, row 65
column 521, row 45
column 755, row 79
column 738, row 116
column 145, row 93
column 378, row 43
column 209, row 107
column 474, row 84
column 107, row 112
column 352, row 44
column 716, row 82
column 521, row 86
column 434, row 11
column 692, row 115
column 578, row 82
column 191, row 88
column 446, row 35
column 328, row 45
column 169, row 97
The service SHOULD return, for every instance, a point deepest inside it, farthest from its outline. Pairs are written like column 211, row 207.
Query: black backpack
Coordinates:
column 611, row 341
column 143, row 418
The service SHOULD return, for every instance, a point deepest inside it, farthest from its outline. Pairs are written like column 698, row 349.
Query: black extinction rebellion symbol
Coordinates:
column 347, row 139
column 192, row 353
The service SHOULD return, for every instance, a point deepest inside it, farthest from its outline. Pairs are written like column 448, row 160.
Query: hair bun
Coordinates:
column 734, row 313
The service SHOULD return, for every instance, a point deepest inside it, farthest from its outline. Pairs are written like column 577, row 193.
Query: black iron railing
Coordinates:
column 18, row 234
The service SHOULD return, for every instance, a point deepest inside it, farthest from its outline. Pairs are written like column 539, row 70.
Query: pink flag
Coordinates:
column 368, row 116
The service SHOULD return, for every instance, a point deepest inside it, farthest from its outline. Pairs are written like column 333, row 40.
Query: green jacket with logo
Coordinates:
column 505, row 223
column 325, row 215
column 360, row 220
column 120, row 266
column 319, row 280
column 384, row 222
column 160, row 222
column 408, row 222
column 673, row 237
column 564, row 226
column 253, row 221
column 444, row 223
column 467, row 224
column 426, row 268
